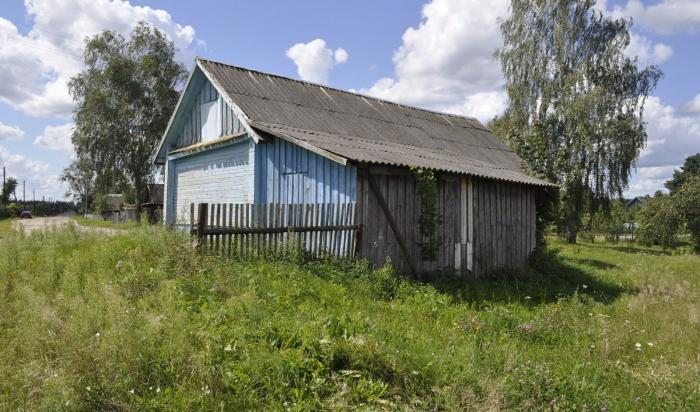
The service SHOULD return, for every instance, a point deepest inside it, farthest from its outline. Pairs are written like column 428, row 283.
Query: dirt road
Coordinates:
column 39, row 223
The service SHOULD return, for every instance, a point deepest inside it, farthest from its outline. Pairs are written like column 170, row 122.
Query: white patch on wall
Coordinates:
column 211, row 124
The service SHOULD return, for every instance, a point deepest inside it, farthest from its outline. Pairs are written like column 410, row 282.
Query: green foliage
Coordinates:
column 576, row 100
column 687, row 201
column 429, row 220
column 690, row 168
column 124, row 97
column 9, row 188
column 611, row 221
column 139, row 322
column 659, row 222
column 13, row 209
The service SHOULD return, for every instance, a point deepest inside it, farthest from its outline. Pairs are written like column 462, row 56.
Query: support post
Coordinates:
column 201, row 224
column 393, row 225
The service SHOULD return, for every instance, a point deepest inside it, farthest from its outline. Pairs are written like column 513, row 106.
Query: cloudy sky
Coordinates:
column 430, row 53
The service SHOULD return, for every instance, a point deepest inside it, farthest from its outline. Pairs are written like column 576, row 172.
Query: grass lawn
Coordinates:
column 137, row 321
column 6, row 227
column 81, row 220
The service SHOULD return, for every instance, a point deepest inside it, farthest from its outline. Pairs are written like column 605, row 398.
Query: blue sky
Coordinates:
column 431, row 53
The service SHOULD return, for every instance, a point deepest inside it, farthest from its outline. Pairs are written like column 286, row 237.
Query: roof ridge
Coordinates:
column 343, row 91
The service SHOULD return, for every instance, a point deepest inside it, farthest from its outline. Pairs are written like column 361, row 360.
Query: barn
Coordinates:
column 243, row 136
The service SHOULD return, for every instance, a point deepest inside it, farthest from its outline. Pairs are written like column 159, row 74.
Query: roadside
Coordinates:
column 38, row 223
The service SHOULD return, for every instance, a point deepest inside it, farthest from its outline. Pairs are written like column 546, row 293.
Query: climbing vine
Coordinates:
column 429, row 220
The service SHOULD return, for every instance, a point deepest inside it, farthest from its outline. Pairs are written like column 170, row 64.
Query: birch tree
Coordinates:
column 576, row 100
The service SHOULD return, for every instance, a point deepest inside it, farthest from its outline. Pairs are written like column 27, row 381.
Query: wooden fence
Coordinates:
column 256, row 229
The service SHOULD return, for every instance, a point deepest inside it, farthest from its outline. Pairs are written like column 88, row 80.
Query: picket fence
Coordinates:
column 255, row 229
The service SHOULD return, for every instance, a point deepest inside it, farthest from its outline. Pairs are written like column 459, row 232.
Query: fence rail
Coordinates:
column 244, row 229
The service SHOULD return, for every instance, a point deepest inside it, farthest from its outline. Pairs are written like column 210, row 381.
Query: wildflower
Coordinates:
column 158, row 389
column 585, row 286
column 228, row 348
column 87, row 388
column 527, row 298
column 638, row 346
column 131, row 391
column 97, row 335
column 651, row 344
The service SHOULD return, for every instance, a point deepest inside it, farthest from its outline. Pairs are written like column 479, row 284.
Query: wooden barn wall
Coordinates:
column 189, row 128
column 220, row 175
column 502, row 232
column 504, row 225
column 287, row 173
column 399, row 191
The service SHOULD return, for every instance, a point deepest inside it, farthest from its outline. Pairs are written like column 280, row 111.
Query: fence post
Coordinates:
column 201, row 224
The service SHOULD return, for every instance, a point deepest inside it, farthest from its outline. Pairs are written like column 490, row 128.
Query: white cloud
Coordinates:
column 674, row 134
column 341, row 55
column 447, row 62
column 10, row 132
column 664, row 17
column 646, row 51
column 314, row 60
column 36, row 67
column 57, row 138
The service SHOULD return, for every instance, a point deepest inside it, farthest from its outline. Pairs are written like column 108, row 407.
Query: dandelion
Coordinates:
column 638, row 346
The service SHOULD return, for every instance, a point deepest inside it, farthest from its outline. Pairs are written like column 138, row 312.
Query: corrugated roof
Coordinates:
column 365, row 129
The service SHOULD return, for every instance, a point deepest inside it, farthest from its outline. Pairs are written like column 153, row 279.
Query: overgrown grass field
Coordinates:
column 138, row 322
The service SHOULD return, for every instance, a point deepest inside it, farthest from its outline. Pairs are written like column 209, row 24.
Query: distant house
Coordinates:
column 636, row 202
column 243, row 136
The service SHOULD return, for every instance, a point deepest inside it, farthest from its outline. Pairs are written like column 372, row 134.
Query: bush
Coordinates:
column 659, row 222
column 687, row 201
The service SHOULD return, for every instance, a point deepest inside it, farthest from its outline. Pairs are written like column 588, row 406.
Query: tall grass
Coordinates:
column 137, row 321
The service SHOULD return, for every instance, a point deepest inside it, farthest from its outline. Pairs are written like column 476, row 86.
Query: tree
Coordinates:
column 8, row 189
column 659, row 222
column 575, row 99
column 80, row 178
column 687, row 202
column 690, row 168
column 124, row 97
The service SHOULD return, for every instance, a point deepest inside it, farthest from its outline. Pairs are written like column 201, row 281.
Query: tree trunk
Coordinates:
column 571, row 229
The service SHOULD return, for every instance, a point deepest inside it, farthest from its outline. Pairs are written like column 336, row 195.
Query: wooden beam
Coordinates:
column 394, row 227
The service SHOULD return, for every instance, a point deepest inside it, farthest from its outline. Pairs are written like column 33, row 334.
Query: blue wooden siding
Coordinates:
column 287, row 173
column 190, row 126
column 220, row 175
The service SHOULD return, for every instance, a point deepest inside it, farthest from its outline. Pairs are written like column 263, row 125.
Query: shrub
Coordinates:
column 687, row 201
column 659, row 222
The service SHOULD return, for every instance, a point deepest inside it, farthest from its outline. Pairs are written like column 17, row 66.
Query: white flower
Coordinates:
column 97, row 335
column 527, row 297
column 228, row 348
column 585, row 286
column 87, row 388
column 650, row 344
column 638, row 346
column 131, row 391
column 158, row 389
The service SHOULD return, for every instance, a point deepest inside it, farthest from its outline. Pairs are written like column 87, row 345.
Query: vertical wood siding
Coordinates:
column 504, row 225
column 399, row 191
column 286, row 173
column 222, row 175
column 190, row 126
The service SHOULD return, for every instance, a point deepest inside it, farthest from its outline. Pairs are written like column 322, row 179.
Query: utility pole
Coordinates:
column 24, row 191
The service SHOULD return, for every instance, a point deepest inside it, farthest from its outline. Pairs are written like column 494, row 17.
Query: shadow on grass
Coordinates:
column 556, row 278
column 598, row 264
column 632, row 249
